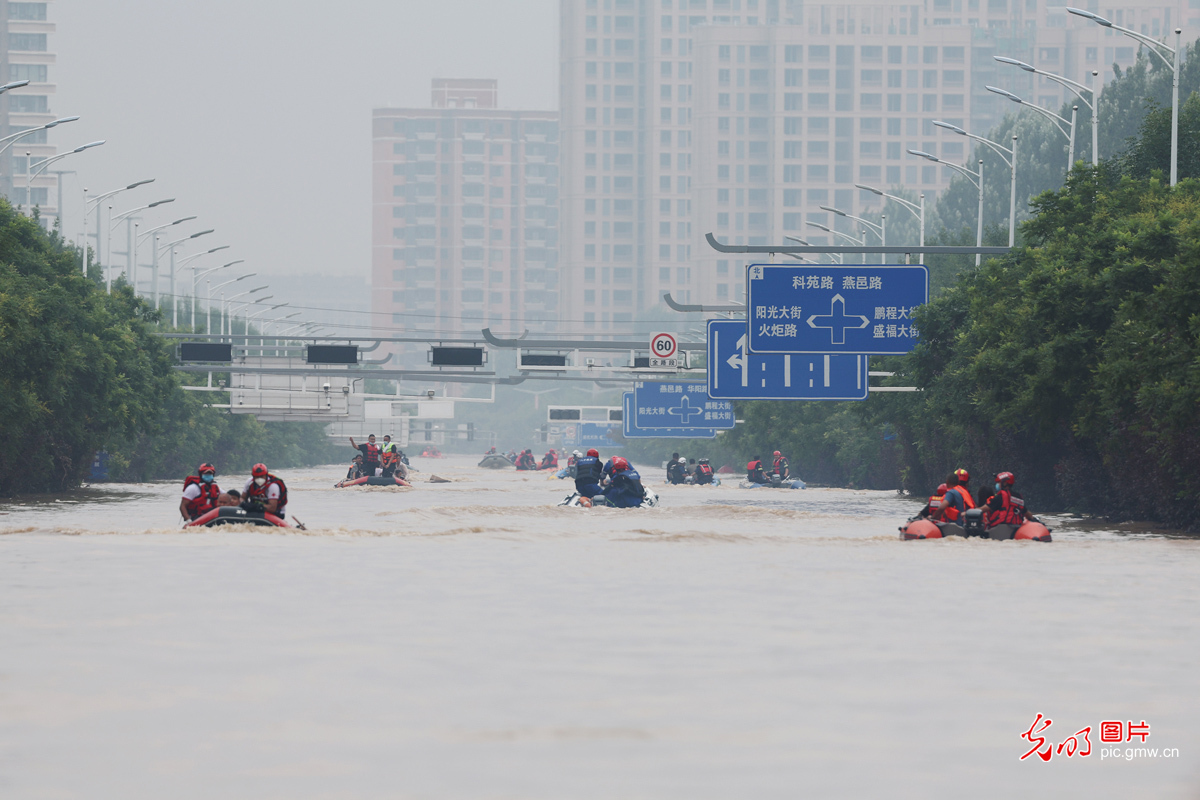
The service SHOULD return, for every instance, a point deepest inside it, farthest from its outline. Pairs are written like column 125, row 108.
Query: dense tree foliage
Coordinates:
column 1074, row 361
column 79, row 368
column 82, row 370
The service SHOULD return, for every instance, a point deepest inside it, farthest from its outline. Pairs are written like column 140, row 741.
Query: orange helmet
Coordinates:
column 1005, row 478
column 962, row 475
column 259, row 471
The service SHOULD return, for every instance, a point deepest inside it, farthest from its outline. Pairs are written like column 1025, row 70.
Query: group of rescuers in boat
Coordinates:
column 757, row 472
column 267, row 493
column 263, row 492
column 1000, row 504
column 374, row 460
column 617, row 480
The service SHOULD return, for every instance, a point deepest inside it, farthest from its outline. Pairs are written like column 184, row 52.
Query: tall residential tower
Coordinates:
column 465, row 215
column 25, row 32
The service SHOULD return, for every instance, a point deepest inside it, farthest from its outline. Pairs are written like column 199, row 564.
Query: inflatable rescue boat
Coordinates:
column 788, row 484
column 374, row 480
column 921, row 528
column 495, row 461
column 576, row 500
column 236, row 515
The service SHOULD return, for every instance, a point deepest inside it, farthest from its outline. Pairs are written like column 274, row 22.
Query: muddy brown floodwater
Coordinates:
column 473, row 640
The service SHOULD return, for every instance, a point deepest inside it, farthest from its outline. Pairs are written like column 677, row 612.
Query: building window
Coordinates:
column 30, row 42
column 37, row 73
column 27, row 11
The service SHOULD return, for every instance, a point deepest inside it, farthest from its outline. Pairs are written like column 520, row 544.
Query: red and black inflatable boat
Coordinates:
column 921, row 528
column 235, row 515
column 374, row 480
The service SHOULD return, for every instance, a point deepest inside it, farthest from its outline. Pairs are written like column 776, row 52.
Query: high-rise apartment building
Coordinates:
column 24, row 32
column 743, row 117
column 465, row 218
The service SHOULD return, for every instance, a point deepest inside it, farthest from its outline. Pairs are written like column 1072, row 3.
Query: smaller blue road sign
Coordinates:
column 632, row 430
column 828, row 308
column 680, row 405
column 590, row 434
column 734, row 373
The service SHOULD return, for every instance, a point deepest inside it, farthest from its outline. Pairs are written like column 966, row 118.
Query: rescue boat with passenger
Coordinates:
column 576, row 500
column 235, row 515
column 973, row 525
column 373, row 480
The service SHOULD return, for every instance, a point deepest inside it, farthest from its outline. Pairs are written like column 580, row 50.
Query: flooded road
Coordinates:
column 473, row 640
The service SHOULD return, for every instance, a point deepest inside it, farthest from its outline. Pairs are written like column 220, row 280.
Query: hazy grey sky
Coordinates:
column 255, row 114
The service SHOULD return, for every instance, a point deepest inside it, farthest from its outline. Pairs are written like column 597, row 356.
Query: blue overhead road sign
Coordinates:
column 734, row 373
column 680, row 404
column 829, row 308
column 632, row 430
column 589, row 434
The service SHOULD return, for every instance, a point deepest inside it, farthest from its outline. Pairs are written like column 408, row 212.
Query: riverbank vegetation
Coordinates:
column 1074, row 361
column 82, row 370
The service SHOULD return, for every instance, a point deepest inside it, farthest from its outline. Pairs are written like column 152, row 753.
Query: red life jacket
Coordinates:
column 935, row 503
column 1012, row 510
column 260, row 492
column 778, row 461
column 704, row 469
column 209, row 492
column 951, row 513
column 373, row 452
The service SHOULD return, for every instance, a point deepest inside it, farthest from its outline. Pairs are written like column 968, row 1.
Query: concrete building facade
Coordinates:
column 743, row 117
column 25, row 32
column 465, row 215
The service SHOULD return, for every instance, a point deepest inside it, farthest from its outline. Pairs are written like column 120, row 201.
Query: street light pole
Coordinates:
column 1050, row 115
column 832, row 256
column 171, row 247
column 974, row 177
column 1010, row 159
column 1078, row 89
column 130, row 245
column 917, row 210
column 96, row 204
column 208, row 309
column 184, row 263
column 1152, row 46
column 33, row 170
column 879, row 230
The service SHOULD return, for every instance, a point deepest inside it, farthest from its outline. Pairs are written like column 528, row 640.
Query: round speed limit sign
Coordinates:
column 663, row 345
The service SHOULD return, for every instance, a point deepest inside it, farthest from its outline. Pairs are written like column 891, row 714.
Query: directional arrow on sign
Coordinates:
column 685, row 410
column 838, row 321
column 739, row 360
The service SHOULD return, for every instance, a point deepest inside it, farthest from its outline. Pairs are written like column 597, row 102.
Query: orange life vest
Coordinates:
column 1012, row 510
column 951, row 513
column 209, row 492
column 935, row 504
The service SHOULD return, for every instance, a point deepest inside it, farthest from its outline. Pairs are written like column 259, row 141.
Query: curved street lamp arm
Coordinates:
column 1077, row 88
column 1050, row 115
column 910, row 205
